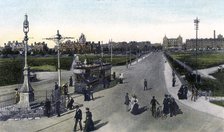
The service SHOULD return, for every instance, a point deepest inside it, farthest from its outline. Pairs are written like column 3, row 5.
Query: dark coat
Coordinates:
column 78, row 114
column 89, row 126
column 166, row 106
column 145, row 83
column 127, row 100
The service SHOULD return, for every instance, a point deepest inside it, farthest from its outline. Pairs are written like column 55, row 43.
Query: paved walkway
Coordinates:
column 201, row 104
column 206, row 72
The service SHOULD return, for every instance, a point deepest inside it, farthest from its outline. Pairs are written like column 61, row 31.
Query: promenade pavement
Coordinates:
column 207, row 71
column 201, row 104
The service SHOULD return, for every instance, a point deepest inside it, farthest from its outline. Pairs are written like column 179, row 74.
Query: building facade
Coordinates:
column 172, row 43
column 205, row 43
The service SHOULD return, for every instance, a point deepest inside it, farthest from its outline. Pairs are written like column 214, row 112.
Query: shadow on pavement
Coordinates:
column 140, row 110
column 148, row 89
column 98, row 97
column 98, row 126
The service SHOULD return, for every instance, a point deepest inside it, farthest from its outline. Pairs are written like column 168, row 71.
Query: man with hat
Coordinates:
column 78, row 118
column 89, row 126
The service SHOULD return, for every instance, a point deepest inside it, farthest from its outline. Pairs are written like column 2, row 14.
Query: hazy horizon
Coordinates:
column 101, row 20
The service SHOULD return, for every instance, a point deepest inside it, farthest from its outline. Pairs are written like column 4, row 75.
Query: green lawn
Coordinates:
column 220, row 103
column 11, row 69
column 205, row 60
column 43, row 68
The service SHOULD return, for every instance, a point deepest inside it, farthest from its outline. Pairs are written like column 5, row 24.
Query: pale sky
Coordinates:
column 101, row 20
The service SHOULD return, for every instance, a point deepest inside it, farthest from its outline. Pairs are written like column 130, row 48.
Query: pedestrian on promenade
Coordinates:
column 89, row 126
column 17, row 97
column 121, row 77
column 84, row 91
column 65, row 89
column 194, row 93
column 70, row 104
column 78, row 118
column 145, row 84
column 172, row 107
column 48, row 107
column 127, row 101
column 56, row 86
column 114, row 75
column 133, row 101
column 153, row 102
column 70, row 81
column 166, row 105
column 173, row 73
column 174, row 81
column 91, row 92
column 185, row 91
column 57, row 106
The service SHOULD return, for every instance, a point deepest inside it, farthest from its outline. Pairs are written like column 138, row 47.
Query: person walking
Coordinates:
column 17, row 97
column 84, row 91
column 145, row 84
column 173, row 73
column 78, row 118
column 174, row 81
column 127, row 101
column 70, row 104
column 194, row 92
column 57, row 107
column 48, row 107
column 90, row 92
column 70, row 81
column 166, row 105
column 153, row 102
column 56, row 86
column 89, row 126
column 172, row 107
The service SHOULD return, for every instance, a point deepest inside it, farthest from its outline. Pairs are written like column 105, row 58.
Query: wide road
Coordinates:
column 109, row 111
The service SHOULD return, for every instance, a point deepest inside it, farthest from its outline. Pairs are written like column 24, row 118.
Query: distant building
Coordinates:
column 1, row 48
column 173, row 43
column 39, row 46
column 205, row 43
column 14, row 46
column 82, row 39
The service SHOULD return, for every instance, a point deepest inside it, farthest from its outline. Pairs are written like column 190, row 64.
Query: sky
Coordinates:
column 119, row 20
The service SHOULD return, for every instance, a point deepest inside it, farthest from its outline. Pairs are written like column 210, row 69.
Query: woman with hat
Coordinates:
column 89, row 126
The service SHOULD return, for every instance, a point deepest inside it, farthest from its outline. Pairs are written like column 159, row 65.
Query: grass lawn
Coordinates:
column 205, row 60
column 11, row 69
column 220, row 103
column 43, row 68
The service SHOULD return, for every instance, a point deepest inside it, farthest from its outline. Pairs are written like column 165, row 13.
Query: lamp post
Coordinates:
column 111, row 51
column 196, row 21
column 101, row 49
column 58, row 39
column 26, row 91
column 126, row 55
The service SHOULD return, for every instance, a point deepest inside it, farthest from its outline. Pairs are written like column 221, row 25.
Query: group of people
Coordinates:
column 170, row 106
column 132, row 104
column 89, row 124
column 182, row 93
column 88, row 93
column 56, row 98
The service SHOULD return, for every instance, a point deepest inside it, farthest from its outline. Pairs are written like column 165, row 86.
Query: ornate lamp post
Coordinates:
column 196, row 21
column 58, row 39
column 26, row 91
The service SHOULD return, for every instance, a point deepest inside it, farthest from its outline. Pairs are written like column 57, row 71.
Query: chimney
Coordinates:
column 214, row 34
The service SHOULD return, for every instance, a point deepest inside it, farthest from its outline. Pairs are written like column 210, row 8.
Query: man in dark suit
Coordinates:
column 145, row 84
column 78, row 118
